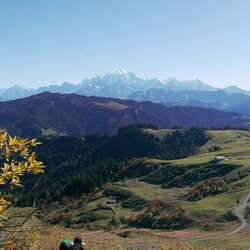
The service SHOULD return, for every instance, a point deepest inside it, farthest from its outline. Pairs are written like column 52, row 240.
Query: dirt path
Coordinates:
column 239, row 212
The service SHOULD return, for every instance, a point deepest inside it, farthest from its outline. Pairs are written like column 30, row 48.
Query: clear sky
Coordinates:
column 46, row 42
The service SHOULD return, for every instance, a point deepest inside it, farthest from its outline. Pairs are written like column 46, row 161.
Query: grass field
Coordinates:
column 207, row 213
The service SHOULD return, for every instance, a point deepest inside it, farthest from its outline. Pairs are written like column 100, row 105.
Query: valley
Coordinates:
column 108, row 213
column 124, row 125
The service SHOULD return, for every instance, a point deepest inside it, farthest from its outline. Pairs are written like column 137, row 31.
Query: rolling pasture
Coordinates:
column 210, row 216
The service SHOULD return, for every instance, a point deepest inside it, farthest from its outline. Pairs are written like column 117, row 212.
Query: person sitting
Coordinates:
column 78, row 244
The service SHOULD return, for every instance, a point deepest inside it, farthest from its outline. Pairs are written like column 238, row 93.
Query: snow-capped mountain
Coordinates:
column 120, row 84
column 172, row 84
column 123, row 84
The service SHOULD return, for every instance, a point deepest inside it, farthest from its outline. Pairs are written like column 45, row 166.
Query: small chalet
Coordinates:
column 219, row 158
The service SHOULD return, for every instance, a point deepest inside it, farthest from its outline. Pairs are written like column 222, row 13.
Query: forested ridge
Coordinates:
column 77, row 166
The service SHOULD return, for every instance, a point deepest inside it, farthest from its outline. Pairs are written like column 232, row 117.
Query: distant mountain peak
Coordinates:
column 122, row 84
column 126, row 74
column 119, row 75
column 171, row 79
column 235, row 89
column 19, row 87
column 198, row 81
column 122, row 72
column 232, row 86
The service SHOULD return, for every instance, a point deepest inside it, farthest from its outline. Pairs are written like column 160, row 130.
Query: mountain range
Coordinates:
column 76, row 115
column 126, row 85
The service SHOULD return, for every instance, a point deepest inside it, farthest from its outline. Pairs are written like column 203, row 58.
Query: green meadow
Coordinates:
column 209, row 215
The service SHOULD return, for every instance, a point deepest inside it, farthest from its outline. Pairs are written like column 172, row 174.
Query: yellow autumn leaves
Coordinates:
column 16, row 158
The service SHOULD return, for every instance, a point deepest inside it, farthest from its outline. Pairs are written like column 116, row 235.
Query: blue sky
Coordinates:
column 49, row 42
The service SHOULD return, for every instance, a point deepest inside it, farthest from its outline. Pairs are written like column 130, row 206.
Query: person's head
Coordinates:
column 78, row 243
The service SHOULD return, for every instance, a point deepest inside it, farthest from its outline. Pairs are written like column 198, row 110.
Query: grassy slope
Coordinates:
column 235, row 145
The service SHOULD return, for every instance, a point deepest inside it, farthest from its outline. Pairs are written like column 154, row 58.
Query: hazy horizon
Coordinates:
column 114, row 72
column 44, row 42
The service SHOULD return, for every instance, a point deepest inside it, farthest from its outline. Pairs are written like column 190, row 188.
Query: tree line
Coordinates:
column 77, row 166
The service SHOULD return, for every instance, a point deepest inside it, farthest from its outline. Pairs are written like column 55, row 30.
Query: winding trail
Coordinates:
column 239, row 212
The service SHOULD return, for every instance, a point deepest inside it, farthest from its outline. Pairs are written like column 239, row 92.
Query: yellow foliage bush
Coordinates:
column 18, row 159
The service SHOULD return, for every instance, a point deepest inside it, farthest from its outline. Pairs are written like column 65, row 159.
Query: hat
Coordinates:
column 78, row 240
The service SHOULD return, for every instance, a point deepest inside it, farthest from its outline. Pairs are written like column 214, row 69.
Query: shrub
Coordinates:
column 206, row 188
column 214, row 149
column 160, row 215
